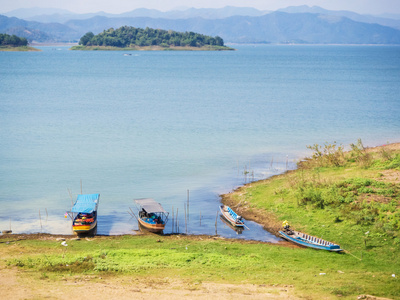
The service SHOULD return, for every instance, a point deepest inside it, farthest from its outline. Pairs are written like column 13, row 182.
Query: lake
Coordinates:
column 178, row 125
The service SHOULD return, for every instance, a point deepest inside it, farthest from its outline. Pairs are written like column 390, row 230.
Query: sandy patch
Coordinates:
column 392, row 176
column 15, row 284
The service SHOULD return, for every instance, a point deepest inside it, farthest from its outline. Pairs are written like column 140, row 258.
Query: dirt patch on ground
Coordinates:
column 373, row 197
column 388, row 147
column 392, row 176
column 16, row 284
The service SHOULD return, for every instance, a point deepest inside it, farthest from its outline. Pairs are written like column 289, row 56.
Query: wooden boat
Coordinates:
column 85, row 208
column 306, row 240
column 233, row 218
column 152, row 215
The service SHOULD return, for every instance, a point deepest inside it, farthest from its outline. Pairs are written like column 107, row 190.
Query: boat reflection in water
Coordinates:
column 239, row 230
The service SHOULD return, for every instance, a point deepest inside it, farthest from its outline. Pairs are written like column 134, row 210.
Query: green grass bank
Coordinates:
column 20, row 48
column 351, row 198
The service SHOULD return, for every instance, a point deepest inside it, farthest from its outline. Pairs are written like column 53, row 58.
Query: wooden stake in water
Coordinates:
column 47, row 215
column 70, row 195
column 188, row 205
column 216, row 218
column 177, row 221
column 184, row 207
column 172, row 221
column 40, row 218
column 133, row 214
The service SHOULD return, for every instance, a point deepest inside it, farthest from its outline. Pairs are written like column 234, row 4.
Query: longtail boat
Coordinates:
column 85, row 208
column 306, row 240
column 152, row 215
column 233, row 218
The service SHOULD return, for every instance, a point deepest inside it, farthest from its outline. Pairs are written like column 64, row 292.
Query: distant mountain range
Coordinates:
column 393, row 21
column 300, row 24
column 61, row 16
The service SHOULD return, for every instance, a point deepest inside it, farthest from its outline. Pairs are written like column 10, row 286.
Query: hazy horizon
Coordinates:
column 372, row 7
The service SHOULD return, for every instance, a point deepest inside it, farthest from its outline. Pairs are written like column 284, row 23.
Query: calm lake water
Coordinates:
column 157, row 124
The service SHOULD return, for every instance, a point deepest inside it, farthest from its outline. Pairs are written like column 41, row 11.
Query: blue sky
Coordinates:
column 118, row 6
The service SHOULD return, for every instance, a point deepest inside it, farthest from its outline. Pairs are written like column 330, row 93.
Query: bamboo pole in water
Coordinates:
column 133, row 214
column 184, row 208
column 216, row 218
column 177, row 221
column 129, row 213
column 172, row 221
column 70, row 195
column 40, row 219
column 188, row 205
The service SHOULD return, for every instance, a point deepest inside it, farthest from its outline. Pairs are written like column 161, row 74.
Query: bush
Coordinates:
column 325, row 156
column 359, row 154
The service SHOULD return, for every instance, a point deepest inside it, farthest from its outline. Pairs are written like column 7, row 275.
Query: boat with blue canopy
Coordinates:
column 85, row 208
column 152, row 215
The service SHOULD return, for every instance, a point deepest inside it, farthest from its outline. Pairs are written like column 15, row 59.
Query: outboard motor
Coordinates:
column 285, row 225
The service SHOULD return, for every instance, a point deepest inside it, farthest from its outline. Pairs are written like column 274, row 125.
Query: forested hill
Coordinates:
column 131, row 37
column 12, row 40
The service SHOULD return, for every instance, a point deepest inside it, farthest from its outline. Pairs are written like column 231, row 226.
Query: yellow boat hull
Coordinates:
column 84, row 228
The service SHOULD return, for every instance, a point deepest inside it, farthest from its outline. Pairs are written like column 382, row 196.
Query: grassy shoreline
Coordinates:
column 19, row 49
column 270, row 219
column 354, row 201
column 362, row 217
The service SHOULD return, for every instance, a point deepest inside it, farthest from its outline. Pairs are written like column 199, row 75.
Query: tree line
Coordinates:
column 127, row 36
column 12, row 40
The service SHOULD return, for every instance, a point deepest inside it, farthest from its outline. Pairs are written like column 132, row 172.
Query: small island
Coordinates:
column 131, row 38
column 14, row 43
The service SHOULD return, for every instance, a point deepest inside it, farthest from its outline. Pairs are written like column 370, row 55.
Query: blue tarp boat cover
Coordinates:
column 86, row 203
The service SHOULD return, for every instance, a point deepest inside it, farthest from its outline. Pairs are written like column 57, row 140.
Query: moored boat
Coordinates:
column 85, row 208
column 306, row 240
column 152, row 215
column 233, row 218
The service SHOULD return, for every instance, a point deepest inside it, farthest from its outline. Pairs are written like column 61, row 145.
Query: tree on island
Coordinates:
column 127, row 36
column 12, row 40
